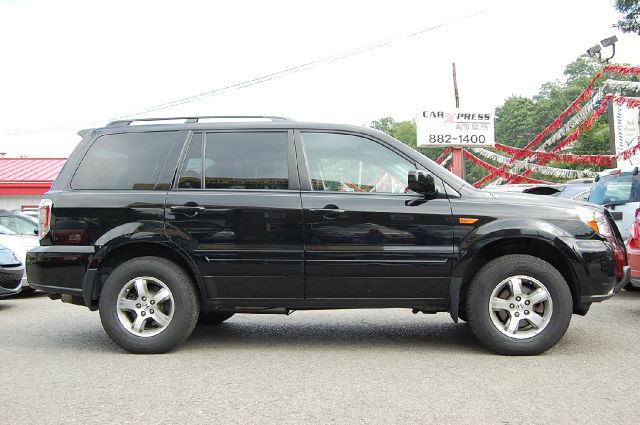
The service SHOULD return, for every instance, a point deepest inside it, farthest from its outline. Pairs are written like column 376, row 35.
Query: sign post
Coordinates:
column 457, row 154
column 455, row 128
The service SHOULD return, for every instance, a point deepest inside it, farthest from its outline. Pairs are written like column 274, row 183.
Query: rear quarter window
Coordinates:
column 128, row 161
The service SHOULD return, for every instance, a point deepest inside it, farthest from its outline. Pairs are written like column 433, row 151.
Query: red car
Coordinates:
column 633, row 254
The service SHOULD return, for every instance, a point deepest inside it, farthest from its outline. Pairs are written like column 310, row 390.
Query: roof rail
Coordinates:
column 192, row 120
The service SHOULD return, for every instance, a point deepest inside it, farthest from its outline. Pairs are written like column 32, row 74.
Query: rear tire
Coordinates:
column 149, row 305
column 519, row 305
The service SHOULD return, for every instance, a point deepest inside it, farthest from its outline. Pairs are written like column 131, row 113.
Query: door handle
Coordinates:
column 329, row 213
column 190, row 210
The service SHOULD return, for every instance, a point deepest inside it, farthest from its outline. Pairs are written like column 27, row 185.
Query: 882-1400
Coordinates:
column 448, row 139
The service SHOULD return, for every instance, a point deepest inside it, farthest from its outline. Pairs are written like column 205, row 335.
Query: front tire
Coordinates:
column 149, row 305
column 519, row 305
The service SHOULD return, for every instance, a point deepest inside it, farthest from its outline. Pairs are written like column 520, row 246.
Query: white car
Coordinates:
column 619, row 191
column 19, row 244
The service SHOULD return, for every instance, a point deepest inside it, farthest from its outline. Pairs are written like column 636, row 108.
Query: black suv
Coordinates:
column 162, row 225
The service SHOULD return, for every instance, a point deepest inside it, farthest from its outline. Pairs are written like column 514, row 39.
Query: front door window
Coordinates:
column 347, row 163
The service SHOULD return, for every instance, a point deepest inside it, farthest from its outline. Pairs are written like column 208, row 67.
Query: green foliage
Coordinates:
column 630, row 21
column 514, row 121
column 405, row 131
column 520, row 119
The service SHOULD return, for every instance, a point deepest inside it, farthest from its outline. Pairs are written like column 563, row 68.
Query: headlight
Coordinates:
column 596, row 220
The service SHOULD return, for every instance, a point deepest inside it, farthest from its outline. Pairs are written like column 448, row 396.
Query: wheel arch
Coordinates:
column 107, row 258
column 554, row 251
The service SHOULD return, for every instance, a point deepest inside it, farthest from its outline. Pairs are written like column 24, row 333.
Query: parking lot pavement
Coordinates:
column 343, row 367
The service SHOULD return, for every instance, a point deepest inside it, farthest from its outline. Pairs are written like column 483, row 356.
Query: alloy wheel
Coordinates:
column 520, row 307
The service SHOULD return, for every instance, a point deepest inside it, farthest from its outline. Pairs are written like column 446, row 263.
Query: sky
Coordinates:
column 70, row 65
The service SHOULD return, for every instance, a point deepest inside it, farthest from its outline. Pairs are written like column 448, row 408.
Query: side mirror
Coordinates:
column 422, row 182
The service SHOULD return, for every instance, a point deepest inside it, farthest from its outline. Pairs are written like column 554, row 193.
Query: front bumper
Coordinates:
column 10, row 280
column 596, row 269
column 626, row 278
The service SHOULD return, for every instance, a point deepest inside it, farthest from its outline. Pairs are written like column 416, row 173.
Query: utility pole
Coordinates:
column 457, row 153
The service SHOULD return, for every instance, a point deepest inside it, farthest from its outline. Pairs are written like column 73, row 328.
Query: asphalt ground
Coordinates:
column 331, row 367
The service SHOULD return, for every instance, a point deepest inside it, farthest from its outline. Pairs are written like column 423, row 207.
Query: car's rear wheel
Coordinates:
column 519, row 305
column 148, row 305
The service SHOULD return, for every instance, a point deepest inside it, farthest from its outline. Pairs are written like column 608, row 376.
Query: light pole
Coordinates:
column 597, row 50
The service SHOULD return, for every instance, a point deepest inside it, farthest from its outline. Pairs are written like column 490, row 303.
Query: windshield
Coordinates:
column 616, row 189
column 5, row 231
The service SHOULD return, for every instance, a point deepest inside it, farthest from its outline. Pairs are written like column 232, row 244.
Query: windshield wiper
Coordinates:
column 610, row 204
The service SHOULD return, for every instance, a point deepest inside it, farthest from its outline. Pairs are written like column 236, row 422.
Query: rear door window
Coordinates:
column 129, row 161
column 238, row 160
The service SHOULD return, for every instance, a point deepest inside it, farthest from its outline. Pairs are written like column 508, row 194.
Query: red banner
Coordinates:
column 585, row 126
column 501, row 173
column 443, row 156
column 597, row 160
column 557, row 123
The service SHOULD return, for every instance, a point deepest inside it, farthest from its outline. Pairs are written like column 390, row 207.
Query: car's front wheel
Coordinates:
column 519, row 305
column 148, row 305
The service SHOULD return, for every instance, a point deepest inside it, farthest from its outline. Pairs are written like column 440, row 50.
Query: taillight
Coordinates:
column 634, row 238
column 44, row 217
column 621, row 260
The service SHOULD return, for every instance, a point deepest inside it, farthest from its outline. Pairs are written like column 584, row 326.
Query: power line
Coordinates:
column 262, row 79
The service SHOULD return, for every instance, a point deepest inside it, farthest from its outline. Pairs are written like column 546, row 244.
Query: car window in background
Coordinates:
column 616, row 189
column 5, row 231
column 347, row 163
column 18, row 225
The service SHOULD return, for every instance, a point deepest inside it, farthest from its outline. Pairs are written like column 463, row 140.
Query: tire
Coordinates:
column 519, row 322
column 149, row 305
column 213, row 318
column 629, row 287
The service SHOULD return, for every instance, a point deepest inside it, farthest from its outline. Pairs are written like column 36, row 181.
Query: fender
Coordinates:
column 148, row 232
column 473, row 242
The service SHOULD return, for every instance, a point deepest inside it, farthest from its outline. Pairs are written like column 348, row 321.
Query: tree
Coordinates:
column 405, row 131
column 520, row 119
column 513, row 121
column 631, row 16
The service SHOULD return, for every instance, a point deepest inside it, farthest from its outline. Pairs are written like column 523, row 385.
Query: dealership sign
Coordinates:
column 455, row 127
column 626, row 132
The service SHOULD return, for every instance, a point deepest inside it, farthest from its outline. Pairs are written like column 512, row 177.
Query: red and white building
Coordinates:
column 23, row 181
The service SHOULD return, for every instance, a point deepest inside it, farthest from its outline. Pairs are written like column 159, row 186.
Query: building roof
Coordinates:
column 30, row 169
column 28, row 175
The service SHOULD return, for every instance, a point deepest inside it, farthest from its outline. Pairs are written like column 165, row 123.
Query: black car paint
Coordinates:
column 282, row 248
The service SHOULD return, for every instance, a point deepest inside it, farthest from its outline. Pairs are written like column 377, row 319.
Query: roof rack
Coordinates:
column 193, row 120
